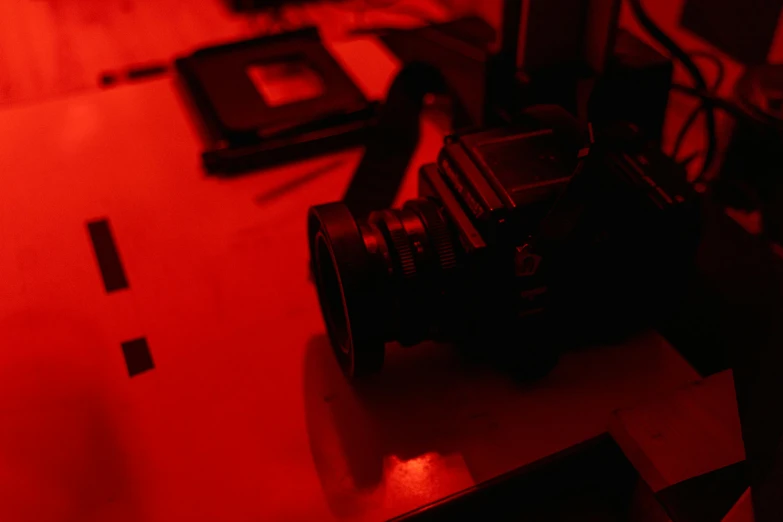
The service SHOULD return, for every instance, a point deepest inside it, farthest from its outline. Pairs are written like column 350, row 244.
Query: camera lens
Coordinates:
column 343, row 276
column 336, row 314
column 381, row 279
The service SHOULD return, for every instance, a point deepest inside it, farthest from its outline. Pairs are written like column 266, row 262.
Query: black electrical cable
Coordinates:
column 683, row 132
column 689, row 159
column 678, row 53
column 720, row 68
column 691, row 119
column 392, row 7
column 716, row 102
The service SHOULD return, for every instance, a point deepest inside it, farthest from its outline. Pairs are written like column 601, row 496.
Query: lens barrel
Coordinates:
column 379, row 280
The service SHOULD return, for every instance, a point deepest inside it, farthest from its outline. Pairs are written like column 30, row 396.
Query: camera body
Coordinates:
column 525, row 239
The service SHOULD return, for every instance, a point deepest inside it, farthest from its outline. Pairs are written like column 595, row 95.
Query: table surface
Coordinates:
column 245, row 415
column 60, row 47
column 682, row 434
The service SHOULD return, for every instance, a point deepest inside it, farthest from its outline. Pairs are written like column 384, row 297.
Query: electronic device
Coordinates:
column 634, row 87
column 535, row 64
column 527, row 220
column 517, row 229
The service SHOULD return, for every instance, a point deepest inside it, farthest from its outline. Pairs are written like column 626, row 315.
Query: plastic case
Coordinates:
column 245, row 128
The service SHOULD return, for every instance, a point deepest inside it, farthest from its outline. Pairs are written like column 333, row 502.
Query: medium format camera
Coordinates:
column 524, row 240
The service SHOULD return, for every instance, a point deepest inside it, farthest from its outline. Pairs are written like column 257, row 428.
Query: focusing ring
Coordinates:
column 410, row 317
column 389, row 223
column 437, row 230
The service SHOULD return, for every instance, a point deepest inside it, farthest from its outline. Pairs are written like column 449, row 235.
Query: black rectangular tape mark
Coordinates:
column 137, row 355
column 108, row 258
column 139, row 73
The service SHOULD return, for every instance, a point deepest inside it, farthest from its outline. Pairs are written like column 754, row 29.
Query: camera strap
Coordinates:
column 393, row 140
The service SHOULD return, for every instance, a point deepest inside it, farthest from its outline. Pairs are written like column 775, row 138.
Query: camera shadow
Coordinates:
column 420, row 404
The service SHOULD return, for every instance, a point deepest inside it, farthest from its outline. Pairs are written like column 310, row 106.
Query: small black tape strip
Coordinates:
column 149, row 71
column 107, row 256
column 137, row 355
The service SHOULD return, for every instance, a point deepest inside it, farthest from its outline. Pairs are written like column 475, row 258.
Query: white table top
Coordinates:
column 245, row 416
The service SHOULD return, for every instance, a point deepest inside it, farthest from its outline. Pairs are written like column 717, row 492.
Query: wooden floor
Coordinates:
column 51, row 48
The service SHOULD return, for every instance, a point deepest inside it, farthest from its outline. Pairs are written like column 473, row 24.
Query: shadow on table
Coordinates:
column 417, row 405
column 63, row 454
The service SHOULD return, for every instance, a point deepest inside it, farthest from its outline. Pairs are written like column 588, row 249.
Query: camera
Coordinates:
column 525, row 239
